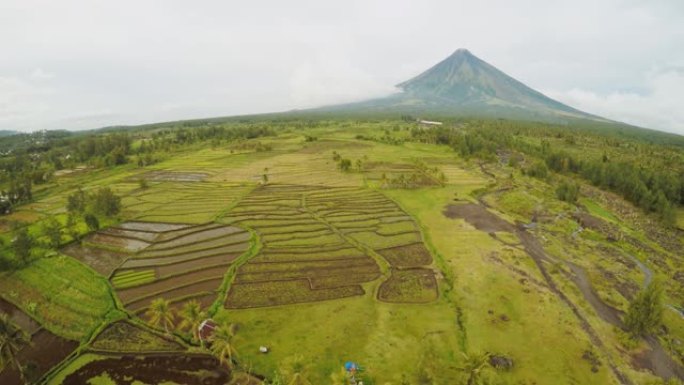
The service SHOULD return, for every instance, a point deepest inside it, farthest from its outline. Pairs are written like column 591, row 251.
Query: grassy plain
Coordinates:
column 318, row 243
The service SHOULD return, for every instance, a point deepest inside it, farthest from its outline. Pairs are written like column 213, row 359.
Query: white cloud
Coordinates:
column 331, row 78
column 22, row 100
column 144, row 61
column 40, row 74
column 660, row 105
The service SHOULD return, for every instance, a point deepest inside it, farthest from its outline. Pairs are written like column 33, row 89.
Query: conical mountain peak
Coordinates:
column 461, row 52
column 464, row 84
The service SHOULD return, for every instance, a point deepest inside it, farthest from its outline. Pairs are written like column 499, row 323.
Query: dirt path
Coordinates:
column 474, row 214
column 539, row 256
column 581, row 279
column 656, row 359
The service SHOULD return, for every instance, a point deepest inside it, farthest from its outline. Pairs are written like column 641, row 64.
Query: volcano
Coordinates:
column 463, row 84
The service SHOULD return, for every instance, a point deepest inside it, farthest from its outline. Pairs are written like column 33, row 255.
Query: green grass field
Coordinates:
column 334, row 266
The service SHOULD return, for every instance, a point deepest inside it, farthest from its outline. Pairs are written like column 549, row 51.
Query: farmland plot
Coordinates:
column 186, row 202
column 174, row 261
column 321, row 243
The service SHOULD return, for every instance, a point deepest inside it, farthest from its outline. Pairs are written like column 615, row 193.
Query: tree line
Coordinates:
column 650, row 180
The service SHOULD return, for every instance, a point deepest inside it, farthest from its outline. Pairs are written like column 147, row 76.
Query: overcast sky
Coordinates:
column 87, row 64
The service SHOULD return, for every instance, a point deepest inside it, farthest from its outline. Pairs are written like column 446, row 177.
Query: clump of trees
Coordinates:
column 651, row 183
column 645, row 312
column 537, row 170
column 103, row 202
column 21, row 245
column 344, row 164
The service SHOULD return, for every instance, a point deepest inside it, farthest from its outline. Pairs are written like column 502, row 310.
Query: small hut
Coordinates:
column 206, row 330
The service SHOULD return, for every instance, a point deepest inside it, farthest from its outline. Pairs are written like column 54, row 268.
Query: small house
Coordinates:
column 206, row 330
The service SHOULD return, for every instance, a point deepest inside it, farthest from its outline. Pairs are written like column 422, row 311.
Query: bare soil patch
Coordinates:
column 478, row 217
column 101, row 260
column 17, row 316
column 589, row 221
column 154, row 369
column 45, row 351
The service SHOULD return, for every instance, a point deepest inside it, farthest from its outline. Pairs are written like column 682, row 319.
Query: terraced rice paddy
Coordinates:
column 320, row 243
column 313, row 163
column 63, row 295
column 177, row 262
column 186, row 202
column 410, row 285
column 173, row 176
column 126, row 337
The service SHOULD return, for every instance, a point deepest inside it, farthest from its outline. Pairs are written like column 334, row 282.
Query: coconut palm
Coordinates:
column 160, row 314
column 12, row 339
column 473, row 366
column 295, row 370
column 222, row 344
column 192, row 316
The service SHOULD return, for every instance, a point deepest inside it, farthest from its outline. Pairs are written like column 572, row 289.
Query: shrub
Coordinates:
column 538, row 170
column 568, row 191
column 646, row 311
column 345, row 164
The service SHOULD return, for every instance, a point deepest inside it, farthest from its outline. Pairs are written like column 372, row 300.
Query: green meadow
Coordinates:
column 413, row 260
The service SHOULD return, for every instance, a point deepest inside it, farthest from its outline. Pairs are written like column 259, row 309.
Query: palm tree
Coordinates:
column 160, row 313
column 473, row 366
column 192, row 316
column 295, row 371
column 12, row 339
column 222, row 344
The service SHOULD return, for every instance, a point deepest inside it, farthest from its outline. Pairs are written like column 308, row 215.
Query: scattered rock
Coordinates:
column 501, row 362
column 593, row 360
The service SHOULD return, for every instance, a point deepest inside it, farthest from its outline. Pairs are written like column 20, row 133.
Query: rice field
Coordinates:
column 319, row 243
column 185, row 202
column 66, row 297
column 174, row 261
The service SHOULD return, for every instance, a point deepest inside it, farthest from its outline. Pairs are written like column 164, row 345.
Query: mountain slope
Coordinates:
column 463, row 84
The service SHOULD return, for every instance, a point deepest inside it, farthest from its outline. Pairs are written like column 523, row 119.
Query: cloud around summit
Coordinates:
column 79, row 64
